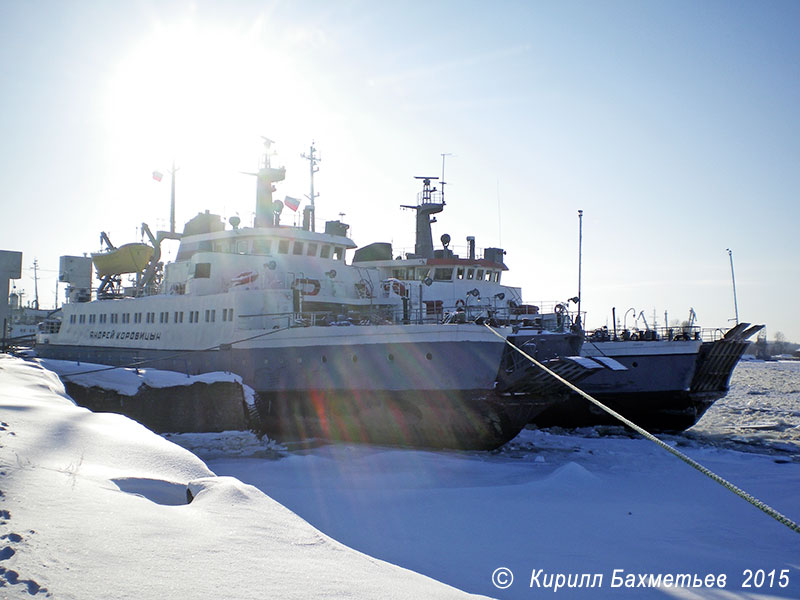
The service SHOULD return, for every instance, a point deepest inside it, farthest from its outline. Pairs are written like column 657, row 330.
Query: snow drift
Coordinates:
column 97, row 506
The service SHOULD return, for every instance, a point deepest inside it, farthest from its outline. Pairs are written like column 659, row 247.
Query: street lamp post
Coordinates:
column 733, row 280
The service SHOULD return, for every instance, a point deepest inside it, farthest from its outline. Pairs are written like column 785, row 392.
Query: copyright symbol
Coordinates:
column 502, row 578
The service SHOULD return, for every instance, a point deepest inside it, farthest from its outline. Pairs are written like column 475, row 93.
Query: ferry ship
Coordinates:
column 672, row 376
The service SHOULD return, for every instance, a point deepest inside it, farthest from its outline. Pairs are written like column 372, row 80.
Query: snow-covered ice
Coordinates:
column 763, row 407
column 105, row 500
column 552, row 502
column 95, row 506
column 591, row 501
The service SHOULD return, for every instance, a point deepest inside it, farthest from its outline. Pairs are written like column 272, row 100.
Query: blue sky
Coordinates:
column 672, row 125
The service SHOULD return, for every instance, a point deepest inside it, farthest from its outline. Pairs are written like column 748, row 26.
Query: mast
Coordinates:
column 441, row 181
column 266, row 209
column 580, row 255
column 313, row 168
column 172, row 199
column 733, row 279
column 429, row 202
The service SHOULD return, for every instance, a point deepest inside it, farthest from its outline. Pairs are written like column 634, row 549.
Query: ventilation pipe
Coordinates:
column 471, row 246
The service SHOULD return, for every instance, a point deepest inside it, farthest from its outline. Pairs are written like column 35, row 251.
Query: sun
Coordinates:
column 185, row 89
column 202, row 95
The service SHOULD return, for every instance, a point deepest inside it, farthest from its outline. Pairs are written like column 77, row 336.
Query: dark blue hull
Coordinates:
column 434, row 395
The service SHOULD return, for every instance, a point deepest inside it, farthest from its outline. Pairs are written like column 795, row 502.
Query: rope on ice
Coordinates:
column 689, row 461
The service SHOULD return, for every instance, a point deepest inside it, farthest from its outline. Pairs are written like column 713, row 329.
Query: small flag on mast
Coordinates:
column 157, row 175
column 292, row 203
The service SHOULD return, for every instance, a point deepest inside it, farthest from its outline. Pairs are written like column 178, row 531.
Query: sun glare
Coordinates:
column 186, row 90
column 202, row 96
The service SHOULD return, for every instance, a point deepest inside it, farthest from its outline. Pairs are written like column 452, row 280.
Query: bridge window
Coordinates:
column 325, row 252
column 338, row 253
column 460, row 273
column 440, row 274
column 470, row 273
column 298, row 248
column 312, row 249
column 262, row 246
column 283, row 247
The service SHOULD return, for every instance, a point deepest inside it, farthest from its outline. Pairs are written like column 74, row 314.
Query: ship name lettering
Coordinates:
column 101, row 335
column 132, row 335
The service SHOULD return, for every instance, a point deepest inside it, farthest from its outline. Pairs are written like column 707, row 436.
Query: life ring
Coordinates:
column 244, row 278
column 300, row 284
column 460, row 303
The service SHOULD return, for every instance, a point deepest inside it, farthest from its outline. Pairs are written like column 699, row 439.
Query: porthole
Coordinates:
column 391, row 357
column 429, row 356
column 355, row 358
column 635, row 364
column 324, row 358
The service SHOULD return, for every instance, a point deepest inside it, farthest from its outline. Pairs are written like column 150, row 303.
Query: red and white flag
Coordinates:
column 157, row 175
column 292, row 203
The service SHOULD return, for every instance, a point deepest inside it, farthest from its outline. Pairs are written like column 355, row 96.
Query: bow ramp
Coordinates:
column 521, row 376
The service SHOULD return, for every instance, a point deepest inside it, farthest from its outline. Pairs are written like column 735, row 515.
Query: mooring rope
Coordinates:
column 689, row 461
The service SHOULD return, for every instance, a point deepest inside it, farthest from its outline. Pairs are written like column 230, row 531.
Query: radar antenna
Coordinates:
column 266, row 177
column 429, row 202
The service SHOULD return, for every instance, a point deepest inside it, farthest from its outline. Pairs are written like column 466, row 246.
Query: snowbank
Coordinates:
column 162, row 401
column 127, row 381
column 95, row 506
